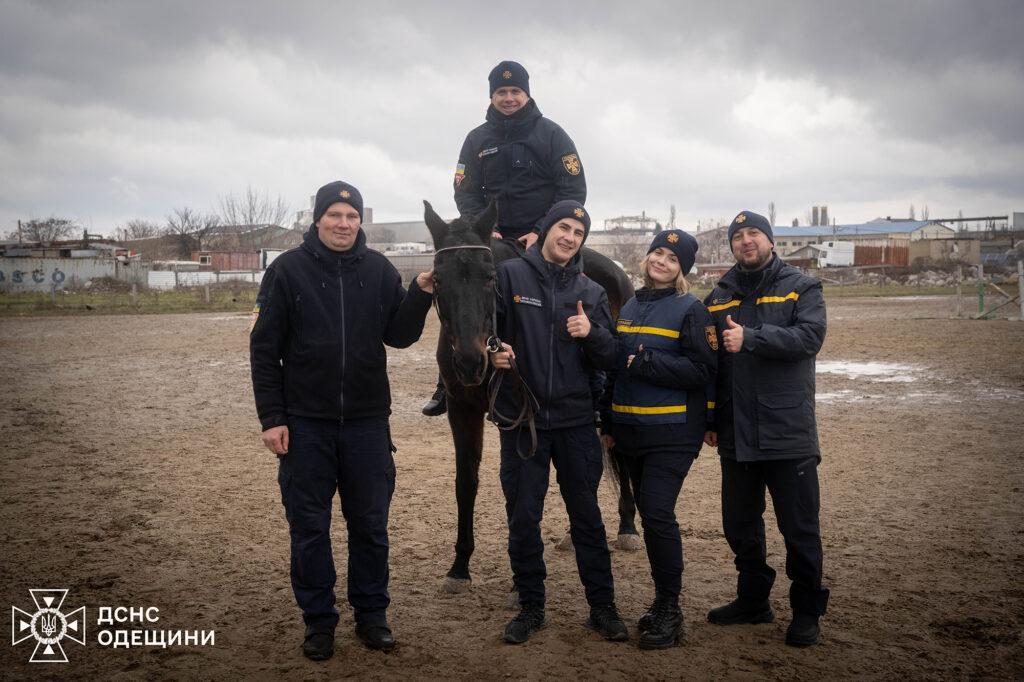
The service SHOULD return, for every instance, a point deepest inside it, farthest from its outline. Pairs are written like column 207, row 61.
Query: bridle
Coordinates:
column 530, row 405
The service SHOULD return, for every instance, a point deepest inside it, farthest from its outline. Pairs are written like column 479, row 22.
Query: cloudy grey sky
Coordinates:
column 118, row 110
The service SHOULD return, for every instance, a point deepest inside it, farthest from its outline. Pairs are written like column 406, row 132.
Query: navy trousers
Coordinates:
column 355, row 460
column 576, row 454
column 793, row 484
column 657, row 478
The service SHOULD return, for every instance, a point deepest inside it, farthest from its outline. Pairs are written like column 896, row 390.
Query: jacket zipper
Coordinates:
column 341, row 298
column 551, row 352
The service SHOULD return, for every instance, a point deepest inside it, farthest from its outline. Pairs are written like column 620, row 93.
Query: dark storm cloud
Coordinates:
column 145, row 105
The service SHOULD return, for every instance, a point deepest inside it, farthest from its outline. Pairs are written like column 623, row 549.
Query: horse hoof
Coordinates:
column 628, row 542
column 565, row 544
column 457, row 585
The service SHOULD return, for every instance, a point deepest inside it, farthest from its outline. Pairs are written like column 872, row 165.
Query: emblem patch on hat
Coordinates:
column 571, row 162
column 506, row 74
column 740, row 218
column 711, row 336
column 579, row 213
column 673, row 237
column 344, row 194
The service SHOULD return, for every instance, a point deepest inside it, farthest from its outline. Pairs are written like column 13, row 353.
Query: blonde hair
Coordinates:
column 682, row 286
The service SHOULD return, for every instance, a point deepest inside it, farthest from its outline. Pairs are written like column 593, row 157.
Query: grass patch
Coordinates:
column 85, row 302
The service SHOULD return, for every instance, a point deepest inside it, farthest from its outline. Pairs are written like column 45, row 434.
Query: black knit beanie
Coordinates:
column 333, row 193
column 681, row 243
column 751, row 219
column 568, row 208
column 507, row 75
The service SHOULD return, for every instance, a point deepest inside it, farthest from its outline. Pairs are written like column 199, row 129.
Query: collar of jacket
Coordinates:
column 732, row 280
column 546, row 270
column 528, row 115
column 339, row 259
column 646, row 295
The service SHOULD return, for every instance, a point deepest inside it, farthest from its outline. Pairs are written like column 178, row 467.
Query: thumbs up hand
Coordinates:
column 732, row 336
column 579, row 324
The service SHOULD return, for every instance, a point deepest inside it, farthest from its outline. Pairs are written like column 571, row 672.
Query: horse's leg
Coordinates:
column 467, row 425
column 628, row 539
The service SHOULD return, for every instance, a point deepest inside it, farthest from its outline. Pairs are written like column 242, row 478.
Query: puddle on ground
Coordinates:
column 882, row 372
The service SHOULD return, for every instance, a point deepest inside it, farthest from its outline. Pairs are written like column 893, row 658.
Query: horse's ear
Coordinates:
column 486, row 222
column 438, row 227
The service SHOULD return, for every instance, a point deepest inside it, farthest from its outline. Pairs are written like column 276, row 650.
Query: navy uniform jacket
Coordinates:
column 535, row 300
column 323, row 317
column 767, row 389
column 661, row 398
column 524, row 161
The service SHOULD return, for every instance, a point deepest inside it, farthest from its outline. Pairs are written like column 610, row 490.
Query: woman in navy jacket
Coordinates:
column 655, row 412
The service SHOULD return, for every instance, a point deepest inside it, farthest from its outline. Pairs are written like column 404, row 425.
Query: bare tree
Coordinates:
column 924, row 213
column 252, row 208
column 136, row 229
column 190, row 229
column 913, row 213
column 771, row 212
column 48, row 230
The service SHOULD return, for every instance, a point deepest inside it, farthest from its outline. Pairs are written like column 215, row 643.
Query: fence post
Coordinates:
column 53, row 294
column 1020, row 287
column 135, row 294
column 959, row 291
column 206, row 294
column 981, row 288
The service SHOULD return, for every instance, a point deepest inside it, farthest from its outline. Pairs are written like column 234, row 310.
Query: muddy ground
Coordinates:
column 133, row 475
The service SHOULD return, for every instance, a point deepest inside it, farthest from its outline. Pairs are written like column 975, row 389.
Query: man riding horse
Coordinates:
column 519, row 159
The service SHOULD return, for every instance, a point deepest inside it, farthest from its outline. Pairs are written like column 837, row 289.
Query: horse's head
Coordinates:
column 464, row 289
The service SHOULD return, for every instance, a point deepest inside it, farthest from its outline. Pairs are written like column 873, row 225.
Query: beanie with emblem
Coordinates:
column 569, row 208
column 509, row 75
column 333, row 193
column 681, row 243
column 751, row 219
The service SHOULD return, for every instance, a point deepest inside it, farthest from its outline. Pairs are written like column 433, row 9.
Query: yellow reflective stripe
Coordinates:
column 722, row 306
column 636, row 409
column 711, row 404
column 791, row 296
column 647, row 330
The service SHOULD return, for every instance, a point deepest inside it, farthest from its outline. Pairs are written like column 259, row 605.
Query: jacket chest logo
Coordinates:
column 487, row 152
column 527, row 300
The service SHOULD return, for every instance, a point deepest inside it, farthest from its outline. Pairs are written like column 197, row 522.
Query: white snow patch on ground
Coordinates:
column 885, row 372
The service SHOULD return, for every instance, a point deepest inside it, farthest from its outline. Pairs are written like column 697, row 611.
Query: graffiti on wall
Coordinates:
column 38, row 276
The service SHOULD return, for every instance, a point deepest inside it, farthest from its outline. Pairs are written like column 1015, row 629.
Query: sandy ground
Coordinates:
column 133, row 476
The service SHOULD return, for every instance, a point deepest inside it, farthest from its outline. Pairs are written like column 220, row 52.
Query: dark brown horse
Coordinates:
column 464, row 280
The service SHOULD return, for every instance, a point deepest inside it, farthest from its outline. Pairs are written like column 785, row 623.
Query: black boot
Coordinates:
column 740, row 611
column 318, row 644
column 529, row 620
column 804, row 630
column 663, row 627
column 605, row 620
column 438, row 403
column 376, row 636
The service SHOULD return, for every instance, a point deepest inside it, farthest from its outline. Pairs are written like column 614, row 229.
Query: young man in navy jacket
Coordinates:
column 324, row 312
column 556, row 326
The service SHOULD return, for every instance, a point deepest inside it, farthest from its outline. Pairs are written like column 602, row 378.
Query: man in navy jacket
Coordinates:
column 555, row 324
column 771, row 319
column 319, row 375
